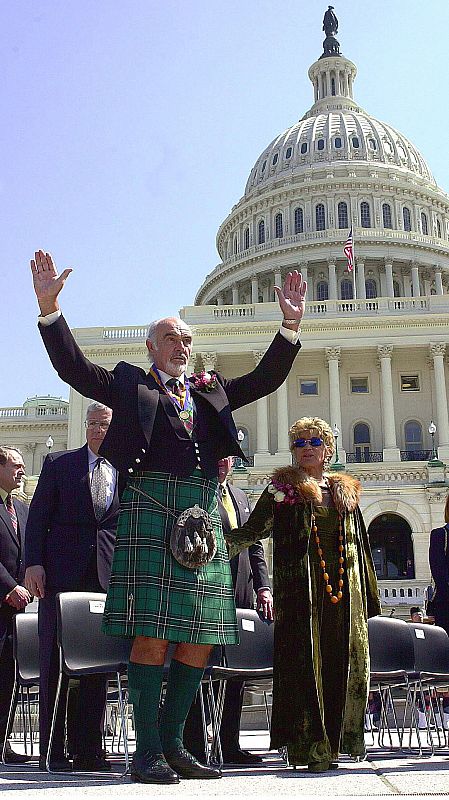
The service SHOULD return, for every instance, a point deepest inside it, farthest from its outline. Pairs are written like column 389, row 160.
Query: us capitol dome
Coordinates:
column 337, row 167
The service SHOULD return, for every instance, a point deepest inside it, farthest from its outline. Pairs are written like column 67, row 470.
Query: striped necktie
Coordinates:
column 12, row 513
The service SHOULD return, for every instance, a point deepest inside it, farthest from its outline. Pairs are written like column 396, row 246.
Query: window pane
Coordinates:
column 308, row 387
column 275, row 159
column 261, row 237
column 409, row 383
column 407, row 219
column 342, row 215
column 278, row 226
column 359, row 385
column 370, row 289
column 337, row 142
column 299, row 220
column 304, row 148
column 320, row 217
column 365, row 216
column 246, row 238
column 361, row 434
column 347, row 289
column 320, row 144
column 424, row 226
column 355, row 142
column 386, row 213
column 288, row 153
column 322, row 290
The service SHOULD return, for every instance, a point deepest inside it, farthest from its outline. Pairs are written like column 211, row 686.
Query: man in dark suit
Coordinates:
column 70, row 541
column 14, row 597
column 249, row 575
column 166, row 437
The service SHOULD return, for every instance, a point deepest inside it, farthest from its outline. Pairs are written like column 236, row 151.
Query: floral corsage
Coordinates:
column 284, row 493
column 203, row 381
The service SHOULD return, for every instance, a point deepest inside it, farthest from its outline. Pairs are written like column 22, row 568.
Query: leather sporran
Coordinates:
column 192, row 541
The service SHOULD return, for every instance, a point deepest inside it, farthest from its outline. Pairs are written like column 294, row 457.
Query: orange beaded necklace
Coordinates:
column 334, row 598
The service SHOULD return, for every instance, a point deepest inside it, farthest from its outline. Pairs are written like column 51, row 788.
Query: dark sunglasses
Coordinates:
column 315, row 441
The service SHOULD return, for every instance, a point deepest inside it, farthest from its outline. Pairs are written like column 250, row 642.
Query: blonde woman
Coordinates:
column 325, row 588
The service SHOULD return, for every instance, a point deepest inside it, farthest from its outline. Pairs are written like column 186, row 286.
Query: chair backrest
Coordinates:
column 26, row 649
column 85, row 648
column 431, row 646
column 390, row 645
column 255, row 650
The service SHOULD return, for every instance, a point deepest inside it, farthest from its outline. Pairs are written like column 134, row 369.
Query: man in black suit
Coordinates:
column 70, row 542
column 166, row 437
column 249, row 575
column 14, row 597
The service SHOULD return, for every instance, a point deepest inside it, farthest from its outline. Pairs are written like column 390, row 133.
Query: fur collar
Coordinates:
column 345, row 489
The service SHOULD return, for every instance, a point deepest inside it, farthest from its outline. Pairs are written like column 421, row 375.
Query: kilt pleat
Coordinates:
column 150, row 593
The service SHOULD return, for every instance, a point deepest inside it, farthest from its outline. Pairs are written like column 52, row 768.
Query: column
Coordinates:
column 390, row 449
column 332, row 281
column 219, row 299
column 282, row 419
column 333, row 355
column 437, row 352
column 262, row 429
column 360, row 274
column 389, row 277
column 254, row 289
column 302, row 268
column 438, row 281
column 235, row 294
column 76, row 435
column 415, row 281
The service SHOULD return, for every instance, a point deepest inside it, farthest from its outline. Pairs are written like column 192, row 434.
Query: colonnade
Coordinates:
column 419, row 278
column 333, row 356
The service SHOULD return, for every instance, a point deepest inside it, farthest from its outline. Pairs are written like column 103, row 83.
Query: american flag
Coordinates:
column 348, row 250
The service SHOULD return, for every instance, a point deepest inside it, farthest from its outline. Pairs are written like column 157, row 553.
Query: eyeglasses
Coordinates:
column 315, row 441
column 92, row 426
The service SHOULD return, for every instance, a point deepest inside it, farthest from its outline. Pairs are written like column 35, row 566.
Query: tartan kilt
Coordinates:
column 150, row 593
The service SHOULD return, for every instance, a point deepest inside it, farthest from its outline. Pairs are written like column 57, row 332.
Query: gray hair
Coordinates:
column 5, row 451
column 152, row 328
column 93, row 407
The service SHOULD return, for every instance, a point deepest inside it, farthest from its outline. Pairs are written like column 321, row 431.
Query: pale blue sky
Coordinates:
column 129, row 130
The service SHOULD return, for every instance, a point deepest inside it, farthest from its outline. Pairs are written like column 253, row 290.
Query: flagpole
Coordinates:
column 353, row 269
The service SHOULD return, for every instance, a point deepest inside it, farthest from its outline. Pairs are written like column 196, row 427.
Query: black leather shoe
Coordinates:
column 239, row 756
column 91, row 764
column 59, row 764
column 11, row 757
column 152, row 768
column 187, row 766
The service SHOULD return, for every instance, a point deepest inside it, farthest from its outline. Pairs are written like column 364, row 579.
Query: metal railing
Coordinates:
column 364, row 458
column 415, row 455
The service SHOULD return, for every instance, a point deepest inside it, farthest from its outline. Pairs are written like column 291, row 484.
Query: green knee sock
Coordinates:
column 144, row 682
column 183, row 682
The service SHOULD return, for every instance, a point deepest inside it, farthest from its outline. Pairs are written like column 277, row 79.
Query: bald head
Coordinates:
column 169, row 343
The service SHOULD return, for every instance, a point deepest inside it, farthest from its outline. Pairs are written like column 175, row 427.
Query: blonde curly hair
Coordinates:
column 322, row 428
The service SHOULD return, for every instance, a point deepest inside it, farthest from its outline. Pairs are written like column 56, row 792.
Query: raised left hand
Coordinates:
column 292, row 298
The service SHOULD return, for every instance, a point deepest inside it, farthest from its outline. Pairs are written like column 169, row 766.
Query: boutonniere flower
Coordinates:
column 203, row 381
column 284, row 493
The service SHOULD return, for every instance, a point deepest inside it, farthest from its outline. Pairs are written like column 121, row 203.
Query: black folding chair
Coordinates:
column 25, row 645
column 251, row 660
column 85, row 650
column 431, row 649
column 392, row 665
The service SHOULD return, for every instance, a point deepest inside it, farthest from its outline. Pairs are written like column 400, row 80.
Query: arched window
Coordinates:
column 390, row 537
column 275, row 159
column 320, row 144
column 246, row 239
column 333, row 87
column 278, row 226
column 370, row 288
column 320, row 217
column 322, row 290
column 362, row 442
column 438, row 228
column 303, row 148
column 407, row 218
column 386, row 214
column 337, row 142
column 288, row 152
column 413, row 436
column 236, row 245
column 346, row 289
column 365, row 215
column 299, row 220
column 342, row 213
column 424, row 225
column 396, row 289
column 261, row 232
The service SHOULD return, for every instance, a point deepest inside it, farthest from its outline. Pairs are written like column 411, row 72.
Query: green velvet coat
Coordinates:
column 298, row 713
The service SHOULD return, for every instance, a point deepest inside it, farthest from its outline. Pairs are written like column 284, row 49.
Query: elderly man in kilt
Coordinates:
column 171, row 580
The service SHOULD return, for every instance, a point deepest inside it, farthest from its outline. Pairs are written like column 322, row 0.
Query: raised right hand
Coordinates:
column 35, row 580
column 47, row 283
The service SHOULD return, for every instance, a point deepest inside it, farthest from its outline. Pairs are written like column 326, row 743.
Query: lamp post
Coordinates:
column 336, row 465
column 432, row 430
column 49, row 443
column 239, row 465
